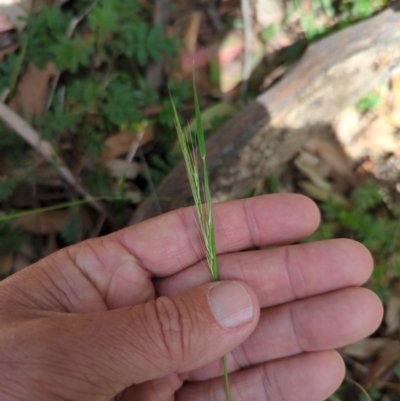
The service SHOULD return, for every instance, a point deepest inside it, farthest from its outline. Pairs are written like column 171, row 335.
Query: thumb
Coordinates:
column 168, row 335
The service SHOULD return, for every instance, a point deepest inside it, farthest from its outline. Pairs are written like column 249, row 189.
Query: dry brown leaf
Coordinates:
column 224, row 53
column 16, row 12
column 313, row 174
column 32, row 91
column 191, row 34
column 372, row 138
column 309, row 159
column 118, row 168
column 394, row 118
column 200, row 58
column 384, row 362
column 45, row 223
column 5, row 25
column 367, row 347
column 119, row 144
column 319, row 194
column 151, row 110
column 6, row 263
column 392, row 315
column 13, row 13
column 333, row 156
column 347, row 125
column 392, row 310
column 379, row 138
column 269, row 12
column 231, row 65
column 148, row 135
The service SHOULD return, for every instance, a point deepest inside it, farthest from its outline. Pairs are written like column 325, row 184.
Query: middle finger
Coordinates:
column 283, row 274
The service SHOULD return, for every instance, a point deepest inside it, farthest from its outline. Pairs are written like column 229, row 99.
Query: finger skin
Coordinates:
column 320, row 323
column 284, row 274
column 307, row 377
column 169, row 243
column 156, row 390
column 80, row 324
column 116, row 271
column 86, row 357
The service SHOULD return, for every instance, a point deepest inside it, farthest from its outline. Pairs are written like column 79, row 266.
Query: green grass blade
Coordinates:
column 191, row 166
column 226, row 379
column 210, row 245
column 199, row 125
column 191, row 146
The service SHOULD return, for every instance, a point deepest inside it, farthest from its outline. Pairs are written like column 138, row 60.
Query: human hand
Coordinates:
column 133, row 315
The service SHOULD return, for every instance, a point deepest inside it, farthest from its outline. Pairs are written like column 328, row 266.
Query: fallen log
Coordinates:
column 332, row 74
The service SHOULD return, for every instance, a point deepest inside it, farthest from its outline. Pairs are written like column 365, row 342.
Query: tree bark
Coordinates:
column 332, row 74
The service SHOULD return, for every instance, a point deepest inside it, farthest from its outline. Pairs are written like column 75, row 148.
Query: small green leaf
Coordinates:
column 369, row 102
column 269, row 33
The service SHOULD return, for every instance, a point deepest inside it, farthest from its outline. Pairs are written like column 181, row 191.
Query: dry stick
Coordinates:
column 248, row 33
column 359, row 386
column 4, row 95
column 30, row 135
column 134, row 147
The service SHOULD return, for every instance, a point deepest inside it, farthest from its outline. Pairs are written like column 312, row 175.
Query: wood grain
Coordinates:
column 332, row 74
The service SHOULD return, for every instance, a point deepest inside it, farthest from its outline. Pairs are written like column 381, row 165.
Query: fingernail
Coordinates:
column 231, row 304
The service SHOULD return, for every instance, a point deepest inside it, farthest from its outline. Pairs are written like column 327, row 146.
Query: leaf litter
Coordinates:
column 361, row 145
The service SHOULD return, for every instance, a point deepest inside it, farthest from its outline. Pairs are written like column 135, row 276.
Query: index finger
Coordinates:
column 167, row 244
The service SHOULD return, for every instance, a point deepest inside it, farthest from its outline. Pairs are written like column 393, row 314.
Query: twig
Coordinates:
column 79, row 18
column 248, row 33
column 359, row 386
column 31, row 136
column 70, row 31
column 134, row 147
column 4, row 95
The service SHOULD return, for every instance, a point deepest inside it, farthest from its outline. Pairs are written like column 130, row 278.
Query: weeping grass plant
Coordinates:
column 193, row 147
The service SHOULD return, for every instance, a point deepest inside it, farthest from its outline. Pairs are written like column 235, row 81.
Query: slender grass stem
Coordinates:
column 226, row 377
column 59, row 206
column 193, row 146
column 44, row 209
